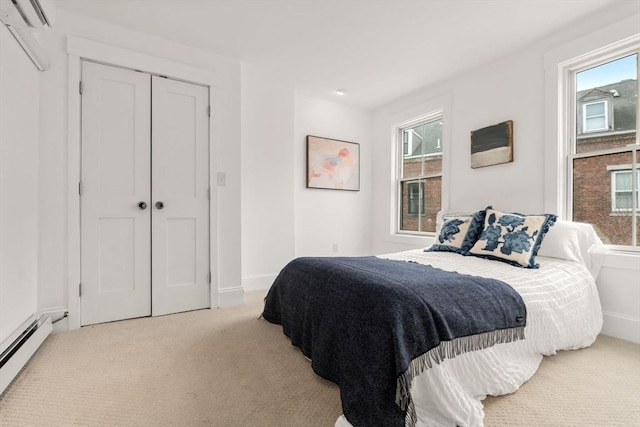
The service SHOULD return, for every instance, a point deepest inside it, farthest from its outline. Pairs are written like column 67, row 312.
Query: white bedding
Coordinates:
column 563, row 313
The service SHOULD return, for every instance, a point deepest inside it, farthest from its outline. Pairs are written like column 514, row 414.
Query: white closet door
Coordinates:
column 180, row 176
column 116, row 121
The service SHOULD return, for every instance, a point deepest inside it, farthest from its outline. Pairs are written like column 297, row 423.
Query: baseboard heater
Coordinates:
column 21, row 348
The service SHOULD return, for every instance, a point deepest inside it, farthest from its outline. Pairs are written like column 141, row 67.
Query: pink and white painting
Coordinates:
column 333, row 164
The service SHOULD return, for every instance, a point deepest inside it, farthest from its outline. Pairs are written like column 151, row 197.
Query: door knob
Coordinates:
column 142, row 206
column 159, row 205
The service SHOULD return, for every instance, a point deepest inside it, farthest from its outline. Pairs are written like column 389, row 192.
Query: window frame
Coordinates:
column 398, row 144
column 614, row 191
column 605, row 116
column 569, row 134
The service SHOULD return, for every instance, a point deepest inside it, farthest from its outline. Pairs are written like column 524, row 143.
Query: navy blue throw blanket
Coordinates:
column 371, row 325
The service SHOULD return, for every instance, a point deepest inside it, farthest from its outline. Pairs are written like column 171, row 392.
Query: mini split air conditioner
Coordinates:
column 23, row 18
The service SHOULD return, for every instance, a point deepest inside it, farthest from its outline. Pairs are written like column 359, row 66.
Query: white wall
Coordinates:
column 19, row 133
column 510, row 89
column 281, row 218
column 55, row 267
column 619, row 288
column 325, row 217
column 267, row 179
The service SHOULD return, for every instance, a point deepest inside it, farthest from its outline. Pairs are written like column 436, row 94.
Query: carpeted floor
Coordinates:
column 227, row 368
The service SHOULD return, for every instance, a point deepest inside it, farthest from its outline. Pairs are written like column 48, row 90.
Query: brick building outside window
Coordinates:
column 602, row 178
column 421, row 175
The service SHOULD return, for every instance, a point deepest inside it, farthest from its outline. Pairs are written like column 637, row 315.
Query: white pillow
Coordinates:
column 512, row 238
column 571, row 241
column 457, row 232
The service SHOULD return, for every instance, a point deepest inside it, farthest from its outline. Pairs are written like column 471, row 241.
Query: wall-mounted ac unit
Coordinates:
column 23, row 18
column 34, row 14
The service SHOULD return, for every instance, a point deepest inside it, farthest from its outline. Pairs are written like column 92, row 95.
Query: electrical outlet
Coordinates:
column 335, row 247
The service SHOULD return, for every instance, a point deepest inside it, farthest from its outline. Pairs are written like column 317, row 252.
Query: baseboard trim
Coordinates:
column 258, row 282
column 230, row 297
column 621, row 326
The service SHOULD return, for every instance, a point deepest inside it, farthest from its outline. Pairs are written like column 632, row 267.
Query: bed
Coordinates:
column 444, row 385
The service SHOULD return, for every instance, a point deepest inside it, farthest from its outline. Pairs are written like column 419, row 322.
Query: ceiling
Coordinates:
column 376, row 50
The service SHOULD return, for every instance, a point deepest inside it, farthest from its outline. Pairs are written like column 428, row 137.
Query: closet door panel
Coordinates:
column 116, row 168
column 180, row 176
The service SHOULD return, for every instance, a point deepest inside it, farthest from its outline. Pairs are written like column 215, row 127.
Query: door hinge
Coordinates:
column 80, row 87
column 80, row 290
column 80, row 188
column 209, row 277
column 209, row 193
column 209, row 110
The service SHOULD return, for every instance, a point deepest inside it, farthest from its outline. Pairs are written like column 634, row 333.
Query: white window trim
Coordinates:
column 605, row 115
column 580, row 53
column 387, row 121
column 568, row 73
column 626, row 167
column 614, row 173
column 424, row 155
column 398, row 144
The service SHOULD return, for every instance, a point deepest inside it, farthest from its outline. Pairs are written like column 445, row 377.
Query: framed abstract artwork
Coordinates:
column 333, row 164
column 492, row 145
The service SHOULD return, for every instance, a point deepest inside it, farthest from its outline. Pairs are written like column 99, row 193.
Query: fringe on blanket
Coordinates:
column 447, row 350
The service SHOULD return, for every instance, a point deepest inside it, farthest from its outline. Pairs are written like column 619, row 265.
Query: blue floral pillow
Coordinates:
column 458, row 232
column 512, row 238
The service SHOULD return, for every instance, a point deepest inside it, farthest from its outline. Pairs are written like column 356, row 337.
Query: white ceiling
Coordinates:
column 377, row 50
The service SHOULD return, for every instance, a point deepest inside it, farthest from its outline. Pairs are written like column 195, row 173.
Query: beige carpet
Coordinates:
column 227, row 368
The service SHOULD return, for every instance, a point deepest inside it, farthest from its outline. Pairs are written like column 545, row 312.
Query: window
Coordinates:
column 595, row 116
column 416, row 198
column 419, row 178
column 603, row 155
column 621, row 191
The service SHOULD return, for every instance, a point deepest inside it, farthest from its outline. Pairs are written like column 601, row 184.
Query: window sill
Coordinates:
column 594, row 132
column 432, row 156
column 622, row 258
column 621, row 213
column 623, row 250
column 409, row 238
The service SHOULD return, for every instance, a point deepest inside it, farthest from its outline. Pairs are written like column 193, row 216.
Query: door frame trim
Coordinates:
column 79, row 49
